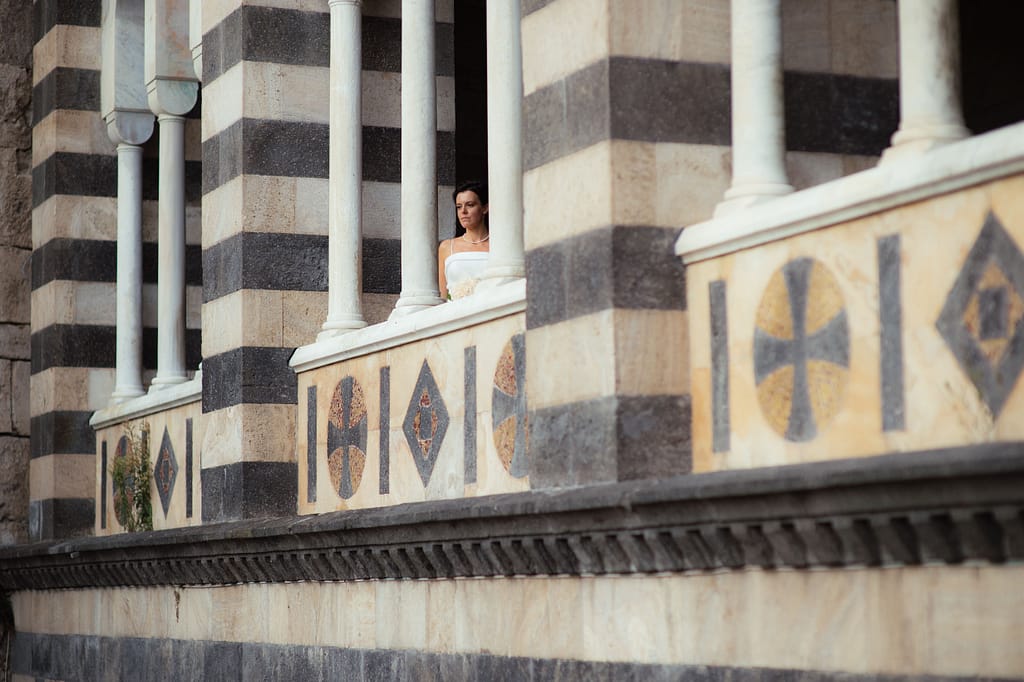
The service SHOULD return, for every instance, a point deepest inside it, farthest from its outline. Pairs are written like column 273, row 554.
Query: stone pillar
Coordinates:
column 504, row 130
column 758, row 121
column 601, row 275
column 128, row 365
column 344, row 304
column 172, row 91
column 124, row 106
column 930, row 110
column 170, row 306
column 419, row 159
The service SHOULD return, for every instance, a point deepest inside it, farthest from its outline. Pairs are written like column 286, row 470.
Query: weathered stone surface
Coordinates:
column 14, row 342
column 14, row 458
column 14, row 285
column 16, row 18
column 6, row 398
column 20, row 375
column 15, row 191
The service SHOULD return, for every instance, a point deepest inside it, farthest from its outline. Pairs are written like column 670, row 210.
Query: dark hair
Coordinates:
column 479, row 188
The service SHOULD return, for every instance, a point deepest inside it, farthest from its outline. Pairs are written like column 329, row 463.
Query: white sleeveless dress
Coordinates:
column 462, row 271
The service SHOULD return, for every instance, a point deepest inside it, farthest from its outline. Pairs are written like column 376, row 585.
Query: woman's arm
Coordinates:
column 442, row 283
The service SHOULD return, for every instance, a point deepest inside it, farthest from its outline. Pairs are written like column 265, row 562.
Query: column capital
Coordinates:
column 129, row 127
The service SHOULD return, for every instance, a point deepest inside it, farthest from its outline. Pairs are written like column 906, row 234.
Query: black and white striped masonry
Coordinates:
column 265, row 177
column 74, row 188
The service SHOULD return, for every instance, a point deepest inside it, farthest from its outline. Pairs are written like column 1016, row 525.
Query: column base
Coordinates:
column 333, row 328
column 160, row 383
column 744, row 196
column 921, row 139
column 414, row 303
column 124, row 393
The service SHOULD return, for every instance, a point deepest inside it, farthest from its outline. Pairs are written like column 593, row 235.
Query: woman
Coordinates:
column 462, row 260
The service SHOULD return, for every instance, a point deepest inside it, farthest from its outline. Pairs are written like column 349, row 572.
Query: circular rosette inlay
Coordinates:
column 346, row 437
column 801, row 349
column 508, row 408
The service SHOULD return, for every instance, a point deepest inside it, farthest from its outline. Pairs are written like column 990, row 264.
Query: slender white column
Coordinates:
column 758, row 120
column 345, row 245
column 504, row 130
column 930, row 111
column 128, row 371
column 129, row 124
column 170, row 295
column 419, row 159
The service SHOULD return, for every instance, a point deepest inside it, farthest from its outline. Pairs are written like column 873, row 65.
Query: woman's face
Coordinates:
column 469, row 210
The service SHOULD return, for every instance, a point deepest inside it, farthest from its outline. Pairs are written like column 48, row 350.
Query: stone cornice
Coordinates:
column 945, row 506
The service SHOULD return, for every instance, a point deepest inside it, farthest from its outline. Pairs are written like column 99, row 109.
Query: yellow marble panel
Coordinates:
column 945, row 401
column 174, row 421
column 354, row 482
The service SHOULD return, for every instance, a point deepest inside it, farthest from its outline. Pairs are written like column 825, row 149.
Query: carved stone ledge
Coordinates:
column 937, row 507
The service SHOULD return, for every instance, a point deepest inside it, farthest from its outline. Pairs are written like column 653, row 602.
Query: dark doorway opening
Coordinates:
column 470, row 91
column 992, row 60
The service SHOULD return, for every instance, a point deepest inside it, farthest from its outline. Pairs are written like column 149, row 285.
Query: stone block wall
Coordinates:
column 15, row 249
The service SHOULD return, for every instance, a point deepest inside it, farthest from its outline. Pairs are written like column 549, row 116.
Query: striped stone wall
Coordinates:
column 265, row 221
column 626, row 140
column 74, row 227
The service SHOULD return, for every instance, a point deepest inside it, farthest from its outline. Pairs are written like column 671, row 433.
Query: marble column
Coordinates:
column 345, row 260
column 930, row 110
column 170, row 294
column 758, row 120
column 128, row 367
column 419, row 159
column 129, row 124
column 504, row 129
column 172, row 91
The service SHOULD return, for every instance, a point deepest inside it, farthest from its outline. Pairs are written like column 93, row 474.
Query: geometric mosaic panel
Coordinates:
column 346, row 437
column 801, row 349
column 165, row 473
column 426, row 422
column 982, row 321
column 508, row 408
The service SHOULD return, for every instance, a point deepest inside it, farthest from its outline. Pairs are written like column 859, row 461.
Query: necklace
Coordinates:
column 476, row 242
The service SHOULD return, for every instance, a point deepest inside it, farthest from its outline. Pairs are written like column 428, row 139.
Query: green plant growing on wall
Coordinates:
column 130, row 477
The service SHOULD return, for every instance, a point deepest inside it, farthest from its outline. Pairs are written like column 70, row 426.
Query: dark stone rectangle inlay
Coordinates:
column 60, row 517
column 720, row 423
column 65, row 88
column 85, row 345
column 95, row 175
column 614, row 438
column 62, row 432
column 689, row 103
column 469, row 432
column 288, row 36
column 384, row 486
column 189, row 460
column 890, row 313
column 311, row 444
column 612, row 267
column 93, row 260
column 103, row 484
column 299, row 149
column 50, row 13
column 250, row 374
column 291, row 262
column 248, row 490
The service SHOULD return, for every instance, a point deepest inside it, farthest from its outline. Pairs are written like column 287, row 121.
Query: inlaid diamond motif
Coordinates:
column 165, row 473
column 982, row 321
column 426, row 422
